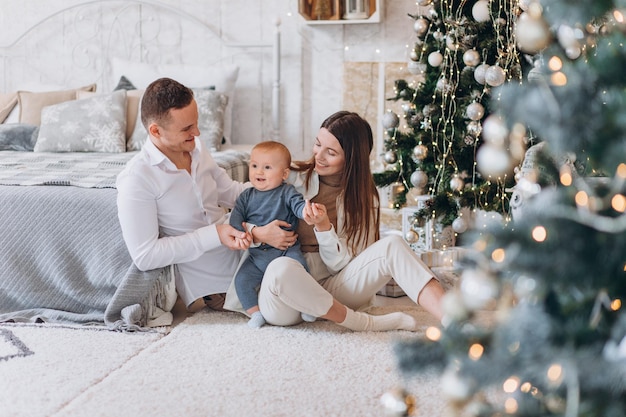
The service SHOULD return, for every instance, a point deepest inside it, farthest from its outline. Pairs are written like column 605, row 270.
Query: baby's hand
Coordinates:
column 315, row 214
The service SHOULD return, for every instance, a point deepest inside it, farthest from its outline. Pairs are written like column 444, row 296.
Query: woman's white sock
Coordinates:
column 358, row 321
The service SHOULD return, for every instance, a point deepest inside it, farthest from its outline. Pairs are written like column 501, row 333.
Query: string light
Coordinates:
column 539, row 233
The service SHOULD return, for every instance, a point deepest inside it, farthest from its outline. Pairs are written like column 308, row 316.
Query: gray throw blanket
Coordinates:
column 63, row 259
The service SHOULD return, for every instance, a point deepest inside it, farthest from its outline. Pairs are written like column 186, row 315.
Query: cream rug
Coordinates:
column 211, row 364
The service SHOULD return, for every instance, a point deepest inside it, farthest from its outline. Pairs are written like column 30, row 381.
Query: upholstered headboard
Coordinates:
column 99, row 41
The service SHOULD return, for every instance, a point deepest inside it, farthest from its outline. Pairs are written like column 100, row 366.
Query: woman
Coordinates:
column 348, row 263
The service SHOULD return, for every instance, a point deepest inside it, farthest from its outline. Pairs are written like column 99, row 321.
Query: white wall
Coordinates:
column 312, row 55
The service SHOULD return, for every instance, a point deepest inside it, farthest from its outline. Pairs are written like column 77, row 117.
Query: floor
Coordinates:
column 180, row 313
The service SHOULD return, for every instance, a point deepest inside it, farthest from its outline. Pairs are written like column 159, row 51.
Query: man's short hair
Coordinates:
column 161, row 96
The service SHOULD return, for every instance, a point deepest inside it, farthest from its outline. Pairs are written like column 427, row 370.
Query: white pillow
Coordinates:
column 222, row 77
column 94, row 124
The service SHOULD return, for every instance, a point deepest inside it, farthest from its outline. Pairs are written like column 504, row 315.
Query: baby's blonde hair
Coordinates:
column 273, row 146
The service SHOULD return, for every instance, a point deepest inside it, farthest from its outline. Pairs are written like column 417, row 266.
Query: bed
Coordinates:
column 67, row 130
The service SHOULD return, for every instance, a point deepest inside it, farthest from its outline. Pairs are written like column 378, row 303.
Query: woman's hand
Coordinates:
column 233, row 238
column 315, row 214
column 274, row 235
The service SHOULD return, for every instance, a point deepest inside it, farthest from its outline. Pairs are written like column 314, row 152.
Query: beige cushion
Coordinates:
column 31, row 103
column 7, row 102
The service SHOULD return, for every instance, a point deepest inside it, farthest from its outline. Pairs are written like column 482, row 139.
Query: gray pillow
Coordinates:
column 211, row 108
column 18, row 137
column 94, row 124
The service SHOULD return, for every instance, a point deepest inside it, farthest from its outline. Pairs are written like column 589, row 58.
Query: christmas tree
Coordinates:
column 536, row 325
column 462, row 51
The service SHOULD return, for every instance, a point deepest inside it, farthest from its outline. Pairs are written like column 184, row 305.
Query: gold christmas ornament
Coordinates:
column 420, row 152
column 471, row 58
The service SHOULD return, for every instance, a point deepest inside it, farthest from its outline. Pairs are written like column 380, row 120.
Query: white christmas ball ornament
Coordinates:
column 478, row 289
column 390, row 120
column 419, row 179
column 411, row 236
column 423, row 2
column 533, row 34
column 471, row 58
column 457, row 183
column 495, row 130
column 455, row 387
column 420, row 26
column 451, row 43
column 479, row 73
column 444, row 86
column 493, row 161
column 475, row 111
column 416, row 68
column 480, row 11
column 453, row 307
column 459, row 225
column 435, row 59
column 495, row 76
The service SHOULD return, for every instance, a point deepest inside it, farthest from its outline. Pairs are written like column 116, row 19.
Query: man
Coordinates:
column 171, row 200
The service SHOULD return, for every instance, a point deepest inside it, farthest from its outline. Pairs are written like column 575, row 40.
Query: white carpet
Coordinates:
column 212, row 364
column 44, row 367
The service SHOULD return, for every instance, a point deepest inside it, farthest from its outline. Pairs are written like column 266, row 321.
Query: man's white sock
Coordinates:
column 358, row 321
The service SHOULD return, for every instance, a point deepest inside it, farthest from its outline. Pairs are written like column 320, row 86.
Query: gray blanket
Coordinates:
column 62, row 259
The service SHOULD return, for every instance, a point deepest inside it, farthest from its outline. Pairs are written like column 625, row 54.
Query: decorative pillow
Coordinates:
column 17, row 137
column 223, row 77
column 32, row 103
column 211, row 108
column 132, row 107
column 7, row 102
column 94, row 124
column 124, row 84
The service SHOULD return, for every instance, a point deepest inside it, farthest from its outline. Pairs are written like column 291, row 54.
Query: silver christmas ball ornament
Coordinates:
column 479, row 73
column 390, row 157
column 495, row 76
column 475, row 111
column 390, row 120
column 459, row 225
column 474, row 128
column 419, row 179
column 416, row 67
column 420, row 26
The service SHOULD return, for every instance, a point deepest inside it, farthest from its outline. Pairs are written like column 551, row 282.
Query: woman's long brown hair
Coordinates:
column 360, row 197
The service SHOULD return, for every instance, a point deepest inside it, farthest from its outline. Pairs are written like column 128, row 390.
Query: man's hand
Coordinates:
column 315, row 214
column 274, row 235
column 233, row 238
